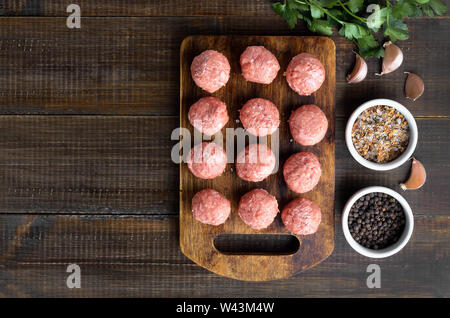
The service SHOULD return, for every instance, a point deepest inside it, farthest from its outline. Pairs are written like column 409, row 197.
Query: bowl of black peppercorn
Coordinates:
column 377, row 222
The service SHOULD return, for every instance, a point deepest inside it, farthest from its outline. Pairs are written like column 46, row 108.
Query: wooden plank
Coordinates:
column 122, row 165
column 139, row 256
column 196, row 239
column 87, row 164
column 153, row 239
column 109, row 239
column 139, row 8
column 130, row 65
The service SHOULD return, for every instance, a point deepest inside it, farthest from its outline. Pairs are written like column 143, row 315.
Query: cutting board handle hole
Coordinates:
column 258, row 244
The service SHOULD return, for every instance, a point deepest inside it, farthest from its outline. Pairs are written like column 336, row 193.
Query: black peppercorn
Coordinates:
column 376, row 220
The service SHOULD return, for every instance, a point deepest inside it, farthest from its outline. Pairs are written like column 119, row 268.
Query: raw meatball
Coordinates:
column 208, row 115
column 260, row 117
column 210, row 70
column 210, row 207
column 255, row 163
column 258, row 209
column 305, row 74
column 259, row 65
column 301, row 216
column 302, row 172
column 207, row 160
column 308, row 125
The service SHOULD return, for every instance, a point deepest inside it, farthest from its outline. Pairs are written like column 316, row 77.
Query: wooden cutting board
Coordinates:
column 197, row 239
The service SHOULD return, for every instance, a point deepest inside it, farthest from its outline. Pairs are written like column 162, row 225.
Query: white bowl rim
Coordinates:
column 413, row 135
column 390, row 250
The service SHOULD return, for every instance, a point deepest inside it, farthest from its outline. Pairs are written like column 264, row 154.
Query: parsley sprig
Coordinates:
column 358, row 20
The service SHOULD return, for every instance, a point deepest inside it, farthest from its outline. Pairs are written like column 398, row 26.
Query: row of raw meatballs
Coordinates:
column 258, row 210
column 256, row 162
column 260, row 117
column 211, row 70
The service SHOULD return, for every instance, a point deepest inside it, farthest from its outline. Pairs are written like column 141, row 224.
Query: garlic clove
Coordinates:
column 393, row 58
column 417, row 177
column 414, row 86
column 359, row 71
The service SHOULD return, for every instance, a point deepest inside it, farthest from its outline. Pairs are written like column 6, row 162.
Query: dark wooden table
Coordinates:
column 85, row 168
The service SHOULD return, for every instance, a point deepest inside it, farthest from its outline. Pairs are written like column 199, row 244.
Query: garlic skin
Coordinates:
column 393, row 58
column 359, row 71
column 417, row 177
column 414, row 86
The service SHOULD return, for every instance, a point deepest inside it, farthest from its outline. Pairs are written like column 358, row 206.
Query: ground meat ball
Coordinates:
column 258, row 209
column 208, row 115
column 308, row 125
column 259, row 65
column 305, row 74
column 302, row 172
column 210, row 70
column 260, row 117
column 210, row 207
column 301, row 216
column 255, row 163
column 207, row 160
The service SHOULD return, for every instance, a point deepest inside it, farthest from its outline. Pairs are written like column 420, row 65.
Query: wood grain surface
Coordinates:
column 140, row 8
column 66, row 197
column 130, row 66
column 196, row 239
column 48, row 167
column 139, row 256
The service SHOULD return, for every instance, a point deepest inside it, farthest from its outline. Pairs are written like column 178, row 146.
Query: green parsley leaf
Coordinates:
column 377, row 52
column 337, row 14
column 427, row 10
column 438, row 7
column 416, row 7
column 354, row 31
column 368, row 46
column 299, row 5
column 351, row 31
column 367, row 42
column 316, row 13
column 355, row 5
column 396, row 30
column 323, row 27
column 327, row 3
column 402, row 9
column 290, row 15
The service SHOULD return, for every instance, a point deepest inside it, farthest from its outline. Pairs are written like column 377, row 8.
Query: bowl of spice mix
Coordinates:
column 377, row 222
column 381, row 134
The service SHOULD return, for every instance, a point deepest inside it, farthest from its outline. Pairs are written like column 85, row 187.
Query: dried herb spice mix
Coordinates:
column 380, row 134
column 376, row 220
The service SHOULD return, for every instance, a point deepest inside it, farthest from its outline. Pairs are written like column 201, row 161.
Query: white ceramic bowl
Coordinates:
column 413, row 134
column 390, row 250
